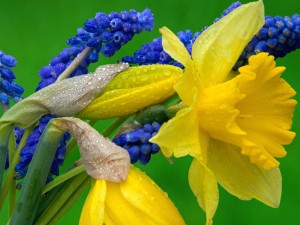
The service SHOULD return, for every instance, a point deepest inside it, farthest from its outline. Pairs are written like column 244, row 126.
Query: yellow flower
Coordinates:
column 132, row 90
column 138, row 200
column 234, row 128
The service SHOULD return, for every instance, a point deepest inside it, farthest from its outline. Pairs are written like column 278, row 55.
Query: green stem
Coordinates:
column 73, row 198
column 36, row 176
column 5, row 132
column 75, row 63
column 64, row 177
column 12, row 199
column 172, row 110
column 70, row 146
column 46, row 199
column 61, row 198
column 16, row 157
column 12, row 151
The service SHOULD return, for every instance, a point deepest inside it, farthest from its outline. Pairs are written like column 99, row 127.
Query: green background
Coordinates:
column 35, row 31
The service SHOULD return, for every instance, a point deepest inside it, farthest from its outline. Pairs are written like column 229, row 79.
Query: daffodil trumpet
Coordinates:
column 233, row 127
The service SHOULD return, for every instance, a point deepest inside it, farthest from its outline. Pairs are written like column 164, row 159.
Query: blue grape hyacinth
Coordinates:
column 105, row 34
column 8, row 88
column 153, row 53
column 136, row 142
column 109, row 32
column 279, row 36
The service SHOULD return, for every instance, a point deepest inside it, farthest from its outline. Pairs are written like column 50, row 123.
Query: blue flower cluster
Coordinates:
column 8, row 88
column 107, row 33
column 137, row 143
column 59, row 63
column 279, row 36
column 153, row 52
column 228, row 10
column 103, row 34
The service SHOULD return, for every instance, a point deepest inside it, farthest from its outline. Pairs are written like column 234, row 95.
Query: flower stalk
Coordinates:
column 36, row 177
column 9, row 177
column 61, row 198
column 5, row 131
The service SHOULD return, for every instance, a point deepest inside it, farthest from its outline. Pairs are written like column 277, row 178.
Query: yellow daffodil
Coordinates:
column 234, row 128
column 137, row 200
column 132, row 90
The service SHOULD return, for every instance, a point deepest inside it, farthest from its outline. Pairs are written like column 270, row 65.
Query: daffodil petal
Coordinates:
column 93, row 209
column 242, row 178
column 120, row 211
column 204, row 186
column 189, row 81
column 108, row 220
column 133, row 90
column 174, row 47
column 180, row 136
column 140, row 76
column 217, row 49
column 146, row 196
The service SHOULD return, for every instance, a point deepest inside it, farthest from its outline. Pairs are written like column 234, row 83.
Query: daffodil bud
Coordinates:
column 101, row 158
column 64, row 98
column 132, row 90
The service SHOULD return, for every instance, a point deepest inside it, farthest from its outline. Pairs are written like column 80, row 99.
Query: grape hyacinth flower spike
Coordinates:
column 8, row 88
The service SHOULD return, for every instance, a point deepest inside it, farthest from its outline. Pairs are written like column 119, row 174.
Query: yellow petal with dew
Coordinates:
column 174, row 47
column 217, row 49
column 122, row 212
column 93, row 209
column 242, row 178
column 132, row 91
column 181, row 136
column 189, row 81
column 204, row 186
column 267, row 110
column 140, row 76
column 139, row 199
column 148, row 197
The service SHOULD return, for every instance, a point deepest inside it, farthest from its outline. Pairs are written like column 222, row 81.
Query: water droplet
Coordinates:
column 167, row 72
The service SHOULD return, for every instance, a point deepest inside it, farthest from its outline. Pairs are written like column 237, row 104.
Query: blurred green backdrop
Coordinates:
column 35, row 31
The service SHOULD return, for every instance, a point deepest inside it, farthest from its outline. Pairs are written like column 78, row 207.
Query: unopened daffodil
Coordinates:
column 234, row 128
column 137, row 200
column 132, row 90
